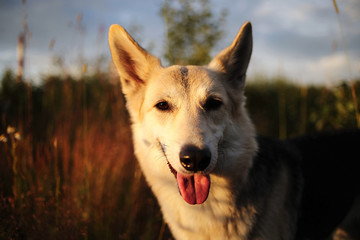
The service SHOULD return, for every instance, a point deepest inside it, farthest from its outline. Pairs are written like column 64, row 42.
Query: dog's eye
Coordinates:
column 163, row 106
column 213, row 103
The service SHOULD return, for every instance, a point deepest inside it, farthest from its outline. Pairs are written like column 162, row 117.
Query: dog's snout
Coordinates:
column 195, row 159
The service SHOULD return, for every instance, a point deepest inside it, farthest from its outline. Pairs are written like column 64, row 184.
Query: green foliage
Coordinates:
column 282, row 109
column 193, row 31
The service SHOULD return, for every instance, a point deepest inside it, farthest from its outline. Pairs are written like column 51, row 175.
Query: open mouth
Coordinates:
column 193, row 188
column 172, row 170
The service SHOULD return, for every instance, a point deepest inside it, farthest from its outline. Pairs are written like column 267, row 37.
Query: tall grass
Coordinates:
column 66, row 179
column 67, row 169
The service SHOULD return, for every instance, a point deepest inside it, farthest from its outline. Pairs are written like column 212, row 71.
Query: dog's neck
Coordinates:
column 220, row 211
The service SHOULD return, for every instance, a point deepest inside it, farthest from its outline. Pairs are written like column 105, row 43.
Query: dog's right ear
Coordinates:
column 133, row 63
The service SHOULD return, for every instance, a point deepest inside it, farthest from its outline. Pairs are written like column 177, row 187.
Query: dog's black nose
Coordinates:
column 195, row 159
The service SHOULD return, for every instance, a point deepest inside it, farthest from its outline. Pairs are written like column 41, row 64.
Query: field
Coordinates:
column 67, row 169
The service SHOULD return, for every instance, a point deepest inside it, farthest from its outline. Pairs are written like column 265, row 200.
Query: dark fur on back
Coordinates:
column 331, row 180
column 323, row 174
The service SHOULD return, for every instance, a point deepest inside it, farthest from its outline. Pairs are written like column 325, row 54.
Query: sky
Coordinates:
column 299, row 39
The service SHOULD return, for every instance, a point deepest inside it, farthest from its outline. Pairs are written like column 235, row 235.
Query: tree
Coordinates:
column 192, row 31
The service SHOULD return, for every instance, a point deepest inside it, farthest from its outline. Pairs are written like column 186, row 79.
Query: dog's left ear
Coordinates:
column 133, row 63
column 234, row 60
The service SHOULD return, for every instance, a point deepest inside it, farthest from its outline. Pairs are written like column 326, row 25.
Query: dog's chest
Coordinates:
column 217, row 218
column 209, row 224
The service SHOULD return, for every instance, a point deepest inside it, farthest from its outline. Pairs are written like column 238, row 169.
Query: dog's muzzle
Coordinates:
column 194, row 188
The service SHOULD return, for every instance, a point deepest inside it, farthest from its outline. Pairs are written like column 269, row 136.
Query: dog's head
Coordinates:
column 190, row 115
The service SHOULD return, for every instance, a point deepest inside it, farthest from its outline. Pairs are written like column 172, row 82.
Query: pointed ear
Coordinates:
column 133, row 63
column 234, row 60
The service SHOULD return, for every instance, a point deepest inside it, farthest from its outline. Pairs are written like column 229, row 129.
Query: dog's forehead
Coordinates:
column 180, row 83
column 190, row 78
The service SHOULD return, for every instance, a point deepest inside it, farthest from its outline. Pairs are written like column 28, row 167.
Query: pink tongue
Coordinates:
column 194, row 189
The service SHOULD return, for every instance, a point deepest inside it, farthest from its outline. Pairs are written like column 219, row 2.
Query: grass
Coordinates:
column 66, row 179
column 67, row 169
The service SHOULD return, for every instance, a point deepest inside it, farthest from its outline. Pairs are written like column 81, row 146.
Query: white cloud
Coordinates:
column 335, row 62
column 329, row 69
column 334, row 67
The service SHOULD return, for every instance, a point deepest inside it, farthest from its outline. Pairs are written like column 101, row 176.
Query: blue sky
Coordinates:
column 300, row 39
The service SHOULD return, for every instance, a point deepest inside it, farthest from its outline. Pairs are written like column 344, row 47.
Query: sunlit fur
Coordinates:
column 145, row 83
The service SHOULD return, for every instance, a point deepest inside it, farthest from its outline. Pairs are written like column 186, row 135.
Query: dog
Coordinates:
column 213, row 177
